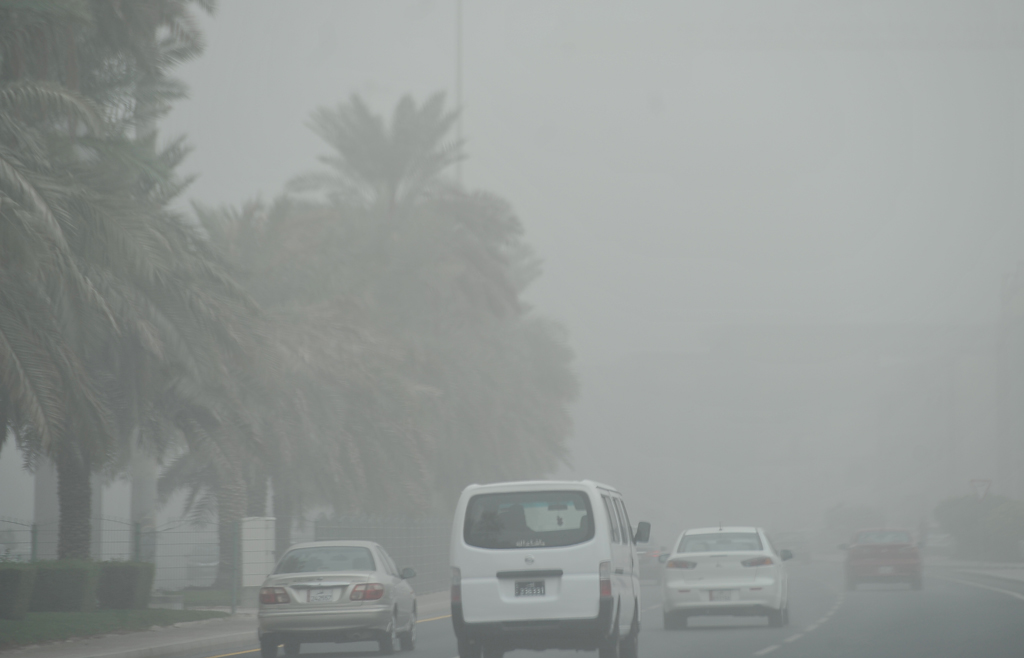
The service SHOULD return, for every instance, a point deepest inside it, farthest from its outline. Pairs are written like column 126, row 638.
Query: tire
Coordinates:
column 407, row 640
column 493, row 651
column 469, row 649
column 673, row 622
column 775, row 618
column 291, row 647
column 268, row 648
column 387, row 643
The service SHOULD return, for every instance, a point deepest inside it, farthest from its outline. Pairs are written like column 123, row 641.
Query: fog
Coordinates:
column 776, row 232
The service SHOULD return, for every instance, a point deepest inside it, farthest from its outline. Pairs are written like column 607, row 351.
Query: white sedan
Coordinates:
column 725, row 571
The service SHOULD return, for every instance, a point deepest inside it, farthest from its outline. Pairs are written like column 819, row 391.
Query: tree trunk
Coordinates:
column 283, row 509
column 256, row 492
column 230, row 508
column 74, row 494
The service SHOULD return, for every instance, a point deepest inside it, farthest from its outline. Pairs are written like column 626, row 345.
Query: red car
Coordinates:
column 882, row 556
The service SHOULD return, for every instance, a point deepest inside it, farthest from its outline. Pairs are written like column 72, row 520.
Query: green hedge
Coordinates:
column 125, row 585
column 65, row 586
column 16, row 582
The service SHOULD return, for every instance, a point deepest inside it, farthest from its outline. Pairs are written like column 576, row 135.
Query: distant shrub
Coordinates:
column 16, row 584
column 989, row 528
column 65, row 586
column 125, row 585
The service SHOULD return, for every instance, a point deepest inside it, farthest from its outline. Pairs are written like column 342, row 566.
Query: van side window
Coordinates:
column 628, row 524
column 612, row 523
column 625, row 534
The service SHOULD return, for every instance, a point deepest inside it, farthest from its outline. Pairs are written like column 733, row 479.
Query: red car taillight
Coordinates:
column 456, row 585
column 270, row 595
column 367, row 592
column 680, row 564
column 763, row 561
column 604, row 572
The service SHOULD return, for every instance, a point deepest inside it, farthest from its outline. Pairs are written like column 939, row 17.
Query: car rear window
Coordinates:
column 883, row 537
column 720, row 542
column 531, row 519
column 327, row 558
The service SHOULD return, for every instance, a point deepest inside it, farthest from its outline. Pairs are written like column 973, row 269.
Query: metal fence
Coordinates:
column 420, row 543
column 187, row 555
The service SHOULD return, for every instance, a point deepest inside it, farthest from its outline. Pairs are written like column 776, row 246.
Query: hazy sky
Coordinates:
column 677, row 165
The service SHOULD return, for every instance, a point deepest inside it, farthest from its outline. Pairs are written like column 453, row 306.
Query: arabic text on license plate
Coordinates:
column 529, row 588
column 320, row 596
column 721, row 594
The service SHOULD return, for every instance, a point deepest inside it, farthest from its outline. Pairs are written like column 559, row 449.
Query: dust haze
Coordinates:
column 782, row 236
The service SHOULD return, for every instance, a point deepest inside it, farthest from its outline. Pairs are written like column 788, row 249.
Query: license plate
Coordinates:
column 529, row 588
column 320, row 595
column 721, row 594
column 885, row 570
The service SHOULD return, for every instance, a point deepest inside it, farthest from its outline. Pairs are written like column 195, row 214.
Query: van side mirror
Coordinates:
column 786, row 554
column 407, row 573
column 643, row 533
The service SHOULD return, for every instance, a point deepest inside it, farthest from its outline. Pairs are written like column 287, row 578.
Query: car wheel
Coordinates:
column 469, row 649
column 268, row 648
column 388, row 640
column 775, row 618
column 407, row 640
column 291, row 647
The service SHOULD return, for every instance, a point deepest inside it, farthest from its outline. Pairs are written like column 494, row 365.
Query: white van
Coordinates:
column 545, row 565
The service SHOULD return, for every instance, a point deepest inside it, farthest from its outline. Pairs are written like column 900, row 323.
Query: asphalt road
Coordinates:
column 948, row 619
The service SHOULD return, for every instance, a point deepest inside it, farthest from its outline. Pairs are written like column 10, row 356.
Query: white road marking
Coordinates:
column 988, row 587
column 793, row 638
column 766, row 650
column 812, row 627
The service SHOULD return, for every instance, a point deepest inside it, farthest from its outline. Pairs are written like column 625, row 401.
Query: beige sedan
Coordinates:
column 337, row 591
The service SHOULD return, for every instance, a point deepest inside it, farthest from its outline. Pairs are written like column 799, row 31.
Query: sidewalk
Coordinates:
column 1012, row 571
column 194, row 636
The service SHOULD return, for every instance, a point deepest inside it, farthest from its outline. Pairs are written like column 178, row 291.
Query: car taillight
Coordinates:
column 271, row 595
column 762, row 561
column 456, row 585
column 604, row 572
column 680, row 564
column 367, row 592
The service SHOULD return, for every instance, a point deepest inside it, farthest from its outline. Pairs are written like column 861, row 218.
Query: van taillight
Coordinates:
column 270, row 595
column 604, row 572
column 456, row 585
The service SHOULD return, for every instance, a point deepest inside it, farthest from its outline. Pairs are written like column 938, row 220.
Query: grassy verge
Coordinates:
column 39, row 627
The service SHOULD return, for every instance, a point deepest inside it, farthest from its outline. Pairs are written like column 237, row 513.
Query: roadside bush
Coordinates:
column 125, row 585
column 990, row 528
column 16, row 584
column 65, row 586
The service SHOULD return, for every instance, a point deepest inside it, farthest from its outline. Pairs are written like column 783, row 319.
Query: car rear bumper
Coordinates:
column 748, row 599
column 876, row 573
column 538, row 634
column 362, row 623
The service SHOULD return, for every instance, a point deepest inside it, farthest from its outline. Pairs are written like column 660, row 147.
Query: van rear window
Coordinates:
column 533, row 519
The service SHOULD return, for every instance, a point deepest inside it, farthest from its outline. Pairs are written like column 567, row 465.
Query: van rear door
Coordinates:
column 528, row 555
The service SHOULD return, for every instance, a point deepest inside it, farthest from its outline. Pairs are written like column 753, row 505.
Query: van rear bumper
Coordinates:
column 538, row 634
